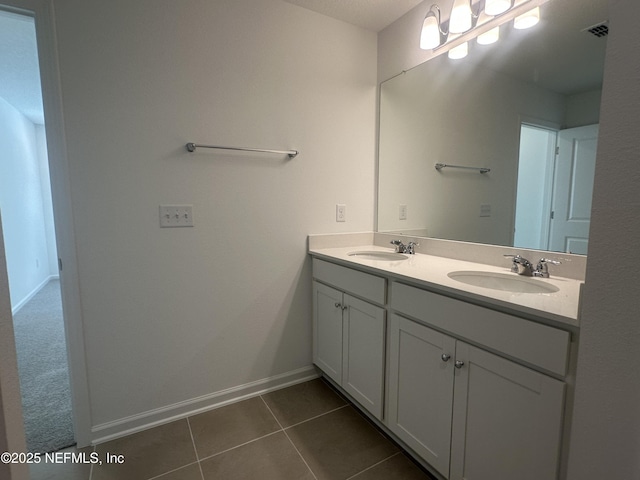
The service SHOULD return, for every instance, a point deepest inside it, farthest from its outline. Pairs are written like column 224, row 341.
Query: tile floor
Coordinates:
column 306, row 431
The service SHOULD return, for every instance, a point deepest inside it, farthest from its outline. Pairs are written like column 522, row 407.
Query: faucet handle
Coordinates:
column 411, row 248
column 520, row 265
column 400, row 247
column 542, row 270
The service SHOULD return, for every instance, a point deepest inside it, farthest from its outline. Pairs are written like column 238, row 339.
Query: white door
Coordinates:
column 363, row 353
column 573, row 187
column 421, row 389
column 507, row 419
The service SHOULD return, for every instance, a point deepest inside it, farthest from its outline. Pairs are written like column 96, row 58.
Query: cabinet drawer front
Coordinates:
column 540, row 345
column 358, row 283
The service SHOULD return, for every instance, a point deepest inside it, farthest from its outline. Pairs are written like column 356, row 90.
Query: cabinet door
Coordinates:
column 327, row 330
column 421, row 389
column 363, row 353
column 507, row 420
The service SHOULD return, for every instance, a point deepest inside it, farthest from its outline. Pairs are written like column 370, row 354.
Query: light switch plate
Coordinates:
column 402, row 212
column 176, row 216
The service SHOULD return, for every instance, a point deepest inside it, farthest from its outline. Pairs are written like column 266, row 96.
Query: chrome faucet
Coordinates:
column 410, row 248
column 522, row 266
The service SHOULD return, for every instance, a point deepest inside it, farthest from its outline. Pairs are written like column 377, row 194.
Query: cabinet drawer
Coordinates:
column 540, row 345
column 358, row 283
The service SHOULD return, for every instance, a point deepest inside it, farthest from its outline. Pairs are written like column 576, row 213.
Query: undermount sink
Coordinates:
column 503, row 281
column 376, row 255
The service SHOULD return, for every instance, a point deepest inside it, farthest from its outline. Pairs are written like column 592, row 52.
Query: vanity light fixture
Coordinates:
column 468, row 17
column 496, row 7
column 461, row 19
column 527, row 19
column 432, row 34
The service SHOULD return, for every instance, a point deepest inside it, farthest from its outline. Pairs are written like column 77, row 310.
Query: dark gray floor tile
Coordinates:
column 148, row 453
column 63, row 469
column 303, row 401
column 270, row 458
column 340, row 444
column 397, row 467
column 230, row 426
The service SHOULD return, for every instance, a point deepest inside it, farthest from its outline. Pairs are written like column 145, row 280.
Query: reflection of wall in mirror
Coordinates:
column 471, row 118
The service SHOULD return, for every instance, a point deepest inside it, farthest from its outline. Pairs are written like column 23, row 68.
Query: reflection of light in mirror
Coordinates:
column 459, row 52
column 527, row 20
column 489, row 37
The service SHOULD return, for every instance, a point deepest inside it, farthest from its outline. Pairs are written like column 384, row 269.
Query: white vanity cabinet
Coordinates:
column 472, row 414
column 349, row 331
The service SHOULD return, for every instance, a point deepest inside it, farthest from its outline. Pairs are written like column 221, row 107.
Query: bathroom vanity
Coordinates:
column 475, row 382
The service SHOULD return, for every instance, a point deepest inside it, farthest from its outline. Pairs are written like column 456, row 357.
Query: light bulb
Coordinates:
column 459, row 52
column 527, row 20
column 460, row 19
column 430, row 35
column 489, row 37
column 496, row 7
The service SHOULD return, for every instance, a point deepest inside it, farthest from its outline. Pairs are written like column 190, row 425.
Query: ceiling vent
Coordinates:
column 599, row 29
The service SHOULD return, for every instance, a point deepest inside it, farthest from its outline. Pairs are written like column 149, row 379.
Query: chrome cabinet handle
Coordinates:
column 340, row 306
column 445, row 357
column 459, row 364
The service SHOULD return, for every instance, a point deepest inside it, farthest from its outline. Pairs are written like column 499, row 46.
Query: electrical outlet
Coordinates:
column 176, row 216
column 402, row 212
column 341, row 213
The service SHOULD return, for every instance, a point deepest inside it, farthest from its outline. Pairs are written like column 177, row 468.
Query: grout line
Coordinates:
column 374, row 465
column 241, row 445
column 91, row 469
column 289, row 438
column 195, row 449
column 174, row 470
column 317, row 416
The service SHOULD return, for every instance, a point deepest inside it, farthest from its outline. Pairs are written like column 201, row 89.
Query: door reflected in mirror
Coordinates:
column 505, row 107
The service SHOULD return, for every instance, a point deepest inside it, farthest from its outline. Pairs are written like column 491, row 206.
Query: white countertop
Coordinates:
column 431, row 272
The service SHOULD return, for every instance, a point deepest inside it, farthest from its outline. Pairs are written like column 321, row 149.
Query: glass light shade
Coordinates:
column 430, row 35
column 459, row 52
column 527, row 20
column 460, row 19
column 487, row 38
column 496, row 7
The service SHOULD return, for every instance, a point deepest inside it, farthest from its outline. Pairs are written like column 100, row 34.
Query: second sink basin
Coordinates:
column 376, row 255
column 502, row 281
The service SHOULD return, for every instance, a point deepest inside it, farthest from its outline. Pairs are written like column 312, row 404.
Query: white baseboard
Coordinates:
column 16, row 308
column 159, row 416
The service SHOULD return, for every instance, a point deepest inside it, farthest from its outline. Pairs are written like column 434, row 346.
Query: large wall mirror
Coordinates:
column 526, row 108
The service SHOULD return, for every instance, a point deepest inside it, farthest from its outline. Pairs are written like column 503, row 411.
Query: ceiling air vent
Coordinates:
column 599, row 29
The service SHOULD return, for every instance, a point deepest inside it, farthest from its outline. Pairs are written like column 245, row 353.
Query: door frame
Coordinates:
column 42, row 12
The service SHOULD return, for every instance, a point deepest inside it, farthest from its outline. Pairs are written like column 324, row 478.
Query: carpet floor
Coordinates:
column 43, row 371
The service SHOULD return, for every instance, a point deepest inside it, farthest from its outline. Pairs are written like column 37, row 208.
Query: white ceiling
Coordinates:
column 370, row 14
column 19, row 72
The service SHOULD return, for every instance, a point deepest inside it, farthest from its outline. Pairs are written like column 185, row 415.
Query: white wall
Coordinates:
column 170, row 315
column 24, row 203
column 606, row 422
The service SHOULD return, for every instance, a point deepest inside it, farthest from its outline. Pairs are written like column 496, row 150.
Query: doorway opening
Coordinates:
column 29, row 237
